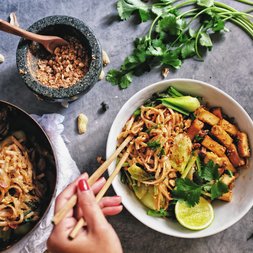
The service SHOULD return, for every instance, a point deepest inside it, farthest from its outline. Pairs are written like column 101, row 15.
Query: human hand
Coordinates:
column 98, row 236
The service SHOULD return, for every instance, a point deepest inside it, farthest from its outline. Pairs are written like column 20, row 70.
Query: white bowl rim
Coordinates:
column 111, row 134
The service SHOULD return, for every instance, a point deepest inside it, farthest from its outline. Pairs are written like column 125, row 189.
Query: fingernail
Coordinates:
column 83, row 185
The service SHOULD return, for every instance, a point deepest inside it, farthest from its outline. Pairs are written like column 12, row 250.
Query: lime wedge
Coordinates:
column 195, row 218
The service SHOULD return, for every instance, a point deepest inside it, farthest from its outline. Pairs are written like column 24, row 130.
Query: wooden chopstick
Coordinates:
column 100, row 195
column 94, row 177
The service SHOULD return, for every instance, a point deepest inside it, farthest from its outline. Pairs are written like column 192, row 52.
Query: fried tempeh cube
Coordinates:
column 228, row 127
column 234, row 157
column 216, row 159
column 194, row 129
column 227, row 164
column 207, row 116
column 221, row 135
column 221, row 161
column 226, row 196
column 243, row 144
column 214, row 146
column 217, row 112
column 226, row 179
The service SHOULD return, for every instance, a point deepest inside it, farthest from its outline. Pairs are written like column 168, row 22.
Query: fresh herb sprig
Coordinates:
column 208, row 182
column 174, row 35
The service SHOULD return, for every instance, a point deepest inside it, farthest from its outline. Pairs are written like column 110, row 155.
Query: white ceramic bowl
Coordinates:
column 226, row 214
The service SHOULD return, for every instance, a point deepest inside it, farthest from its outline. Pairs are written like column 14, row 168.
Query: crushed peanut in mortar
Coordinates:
column 66, row 67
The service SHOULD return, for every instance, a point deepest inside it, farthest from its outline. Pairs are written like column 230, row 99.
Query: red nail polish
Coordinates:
column 83, row 185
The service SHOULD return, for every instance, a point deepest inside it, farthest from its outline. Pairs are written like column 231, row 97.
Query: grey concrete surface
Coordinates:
column 228, row 66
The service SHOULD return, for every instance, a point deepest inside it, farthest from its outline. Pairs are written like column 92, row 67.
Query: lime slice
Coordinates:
column 195, row 218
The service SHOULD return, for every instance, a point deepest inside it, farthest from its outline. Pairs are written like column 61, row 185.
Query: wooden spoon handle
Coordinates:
column 7, row 27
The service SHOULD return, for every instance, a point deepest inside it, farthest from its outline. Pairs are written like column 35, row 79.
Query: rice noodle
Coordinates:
column 17, row 187
column 159, row 125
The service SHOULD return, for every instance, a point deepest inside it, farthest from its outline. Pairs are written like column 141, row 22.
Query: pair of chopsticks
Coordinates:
column 94, row 177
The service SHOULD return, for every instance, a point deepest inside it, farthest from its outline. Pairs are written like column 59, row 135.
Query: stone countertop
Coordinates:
column 228, row 66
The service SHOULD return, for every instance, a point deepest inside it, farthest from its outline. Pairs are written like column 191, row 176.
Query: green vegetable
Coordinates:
column 210, row 172
column 169, row 105
column 198, row 138
column 160, row 213
column 174, row 34
column 137, row 112
column 126, row 178
column 123, row 177
column 189, row 166
column 187, row 190
column 148, row 198
column 180, row 152
column 162, row 152
column 127, row 7
column 138, row 173
column 198, row 163
column 174, row 92
column 186, row 103
column 218, row 189
column 229, row 172
column 154, row 144
column 206, row 181
column 140, row 190
column 205, row 3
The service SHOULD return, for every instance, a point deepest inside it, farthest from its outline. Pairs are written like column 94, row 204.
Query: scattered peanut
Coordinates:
column 1, row 58
column 65, row 104
column 105, row 57
column 82, row 122
column 13, row 19
column 102, row 75
column 165, row 72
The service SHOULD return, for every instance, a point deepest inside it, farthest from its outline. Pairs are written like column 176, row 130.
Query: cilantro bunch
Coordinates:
column 174, row 35
column 206, row 182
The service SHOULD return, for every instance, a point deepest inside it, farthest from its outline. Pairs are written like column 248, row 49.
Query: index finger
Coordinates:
column 66, row 194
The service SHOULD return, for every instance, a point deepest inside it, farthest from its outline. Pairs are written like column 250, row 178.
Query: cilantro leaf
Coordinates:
column 198, row 138
column 171, row 58
column 127, row 7
column 172, row 35
column 218, row 24
column 116, row 77
column 159, row 9
column 187, row 190
column 218, row 189
column 188, row 49
column 209, row 171
column 154, row 144
column 170, row 24
column 137, row 112
column 205, row 40
column 205, row 3
column 156, row 51
column 162, row 152
column 160, row 213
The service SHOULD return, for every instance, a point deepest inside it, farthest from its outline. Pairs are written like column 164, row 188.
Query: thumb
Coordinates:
column 92, row 213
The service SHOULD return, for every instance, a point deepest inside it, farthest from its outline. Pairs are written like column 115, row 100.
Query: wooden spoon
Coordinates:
column 49, row 42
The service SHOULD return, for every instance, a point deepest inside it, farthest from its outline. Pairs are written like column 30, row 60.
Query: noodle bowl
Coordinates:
column 124, row 124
